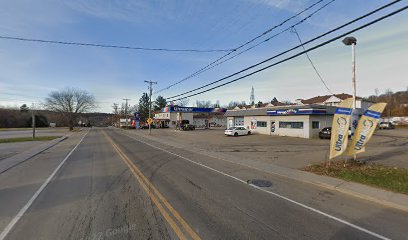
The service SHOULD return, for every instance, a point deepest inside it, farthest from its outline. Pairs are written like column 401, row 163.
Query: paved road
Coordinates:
column 115, row 186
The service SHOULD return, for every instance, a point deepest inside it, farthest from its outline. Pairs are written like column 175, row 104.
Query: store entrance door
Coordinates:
column 273, row 128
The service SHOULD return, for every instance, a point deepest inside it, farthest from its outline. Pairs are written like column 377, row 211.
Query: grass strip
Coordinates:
column 389, row 178
column 28, row 139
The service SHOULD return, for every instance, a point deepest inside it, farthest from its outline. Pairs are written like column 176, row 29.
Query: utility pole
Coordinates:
column 150, row 102
column 126, row 106
column 115, row 113
column 33, row 120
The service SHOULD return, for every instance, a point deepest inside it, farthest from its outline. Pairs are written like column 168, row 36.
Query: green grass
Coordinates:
column 29, row 128
column 389, row 178
column 14, row 129
column 28, row 139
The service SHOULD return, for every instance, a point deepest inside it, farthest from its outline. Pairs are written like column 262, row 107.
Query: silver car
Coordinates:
column 236, row 131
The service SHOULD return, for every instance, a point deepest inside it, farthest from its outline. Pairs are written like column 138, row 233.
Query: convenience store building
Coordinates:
column 304, row 121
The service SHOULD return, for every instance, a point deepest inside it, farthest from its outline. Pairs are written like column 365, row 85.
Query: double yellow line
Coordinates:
column 177, row 223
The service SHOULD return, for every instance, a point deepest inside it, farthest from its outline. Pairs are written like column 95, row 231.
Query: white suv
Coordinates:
column 235, row 131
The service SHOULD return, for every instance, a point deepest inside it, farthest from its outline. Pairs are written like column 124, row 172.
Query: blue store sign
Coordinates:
column 308, row 111
column 192, row 109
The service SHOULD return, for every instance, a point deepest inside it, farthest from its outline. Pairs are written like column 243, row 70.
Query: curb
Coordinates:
column 366, row 192
column 8, row 163
column 373, row 194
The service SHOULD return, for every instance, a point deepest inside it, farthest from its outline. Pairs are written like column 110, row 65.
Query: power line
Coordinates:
column 264, row 41
column 303, row 52
column 112, row 46
column 291, row 49
column 206, row 68
column 310, row 60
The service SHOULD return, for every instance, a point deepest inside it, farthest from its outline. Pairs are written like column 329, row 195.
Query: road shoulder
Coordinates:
column 386, row 198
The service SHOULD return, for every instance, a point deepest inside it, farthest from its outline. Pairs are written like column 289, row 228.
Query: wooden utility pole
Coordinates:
column 126, row 107
column 150, row 103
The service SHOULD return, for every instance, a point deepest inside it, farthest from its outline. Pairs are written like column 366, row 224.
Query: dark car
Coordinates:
column 386, row 125
column 147, row 126
column 325, row 133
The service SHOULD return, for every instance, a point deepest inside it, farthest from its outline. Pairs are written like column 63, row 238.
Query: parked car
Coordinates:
column 235, row 131
column 326, row 133
column 186, row 126
column 386, row 125
column 147, row 126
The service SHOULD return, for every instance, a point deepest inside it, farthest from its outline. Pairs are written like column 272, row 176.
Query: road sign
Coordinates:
column 149, row 121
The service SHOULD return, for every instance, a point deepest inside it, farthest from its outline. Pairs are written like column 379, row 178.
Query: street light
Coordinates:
column 352, row 41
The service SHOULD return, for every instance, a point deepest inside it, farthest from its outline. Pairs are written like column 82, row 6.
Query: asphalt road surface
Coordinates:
column 106, row 184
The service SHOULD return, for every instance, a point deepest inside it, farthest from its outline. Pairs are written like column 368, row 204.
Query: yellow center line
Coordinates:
column 146, row 184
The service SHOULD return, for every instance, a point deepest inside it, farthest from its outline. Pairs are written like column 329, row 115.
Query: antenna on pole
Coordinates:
column 252, row 98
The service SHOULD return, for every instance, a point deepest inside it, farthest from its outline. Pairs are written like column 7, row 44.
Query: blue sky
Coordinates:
column 29, row 71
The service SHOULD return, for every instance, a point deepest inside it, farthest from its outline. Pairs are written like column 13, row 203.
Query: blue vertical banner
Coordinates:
column 136, row 115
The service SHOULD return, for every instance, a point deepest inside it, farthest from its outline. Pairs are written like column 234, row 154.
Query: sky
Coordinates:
column 30, row 71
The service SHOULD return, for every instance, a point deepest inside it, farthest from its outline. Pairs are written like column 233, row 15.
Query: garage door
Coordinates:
column 239, row 121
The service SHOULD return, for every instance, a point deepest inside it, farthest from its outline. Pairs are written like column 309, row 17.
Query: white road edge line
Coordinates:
column 20, row 214
column 269, row 192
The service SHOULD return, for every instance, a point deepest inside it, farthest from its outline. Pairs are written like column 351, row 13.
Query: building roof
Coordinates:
column 263, row 111
column 246, row 112
column 321, row 99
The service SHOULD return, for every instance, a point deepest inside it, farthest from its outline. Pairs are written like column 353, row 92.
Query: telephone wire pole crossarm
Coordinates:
column 150, row 103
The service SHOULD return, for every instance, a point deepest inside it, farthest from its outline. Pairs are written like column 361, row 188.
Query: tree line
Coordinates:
column 397, row 102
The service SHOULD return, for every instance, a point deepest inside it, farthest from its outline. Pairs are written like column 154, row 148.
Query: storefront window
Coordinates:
column 261, row 124
column 315, row 124
column 297, row 125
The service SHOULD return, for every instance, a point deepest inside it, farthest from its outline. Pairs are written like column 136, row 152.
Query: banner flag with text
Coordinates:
column 365, row 128
column 340, row 128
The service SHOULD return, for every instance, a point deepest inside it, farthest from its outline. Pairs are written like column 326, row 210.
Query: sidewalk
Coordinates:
column 387, row 198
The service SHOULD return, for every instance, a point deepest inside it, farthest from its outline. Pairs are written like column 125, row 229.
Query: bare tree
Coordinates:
column 203, row 104
column 70, row 102
column 183, row 102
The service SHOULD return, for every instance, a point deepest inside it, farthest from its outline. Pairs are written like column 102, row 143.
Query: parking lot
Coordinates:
column 388, row 147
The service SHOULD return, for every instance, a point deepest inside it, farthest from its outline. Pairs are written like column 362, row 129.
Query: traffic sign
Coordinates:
column 149, row 121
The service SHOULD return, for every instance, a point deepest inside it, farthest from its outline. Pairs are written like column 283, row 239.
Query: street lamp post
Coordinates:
column 33, row 120
column 352, row 41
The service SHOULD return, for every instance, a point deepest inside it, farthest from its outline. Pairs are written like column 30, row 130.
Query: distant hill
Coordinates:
column 397, row 103
column 14, row 118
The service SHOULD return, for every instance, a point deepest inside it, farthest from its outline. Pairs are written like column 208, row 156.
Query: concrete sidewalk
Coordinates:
column 387, row 198
column 12, row 161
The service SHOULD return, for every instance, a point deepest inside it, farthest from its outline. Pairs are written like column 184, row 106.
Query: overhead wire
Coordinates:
column 207, row 67
column 269, row 38
column 311, row 62
column 291, row 49
column 300, row 53
column 112, row 46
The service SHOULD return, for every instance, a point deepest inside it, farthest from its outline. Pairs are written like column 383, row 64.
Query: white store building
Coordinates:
column 304, row 121
column 171, row 116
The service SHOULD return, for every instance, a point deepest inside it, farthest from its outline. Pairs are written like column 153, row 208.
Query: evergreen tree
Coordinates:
column 144, row 107
column 159, row 103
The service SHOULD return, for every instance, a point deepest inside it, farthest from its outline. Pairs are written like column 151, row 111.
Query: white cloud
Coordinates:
column 289, row 5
